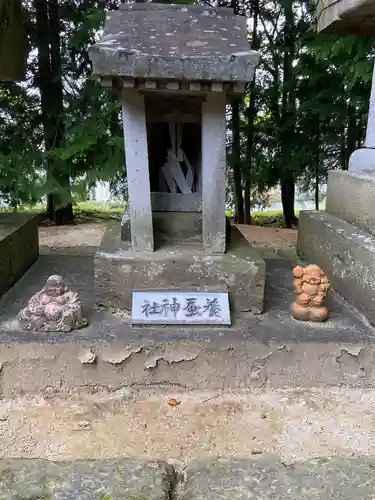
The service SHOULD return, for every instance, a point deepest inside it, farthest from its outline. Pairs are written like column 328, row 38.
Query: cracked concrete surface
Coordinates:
column 62, row 368
column 294, row 424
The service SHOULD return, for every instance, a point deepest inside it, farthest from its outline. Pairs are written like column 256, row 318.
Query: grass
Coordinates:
column 91, row 211
column 84, row 212
column 267, row 218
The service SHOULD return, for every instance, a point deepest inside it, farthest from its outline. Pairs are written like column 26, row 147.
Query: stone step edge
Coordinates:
column 32, row 368
column 345, row 253
column 356, row 206
column 230, row 479
column 358, row 236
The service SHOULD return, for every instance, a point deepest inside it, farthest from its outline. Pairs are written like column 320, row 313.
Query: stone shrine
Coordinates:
column 342, row 239
column 174, row 69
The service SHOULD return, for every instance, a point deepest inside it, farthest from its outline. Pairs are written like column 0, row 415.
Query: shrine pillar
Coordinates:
column 136, row 154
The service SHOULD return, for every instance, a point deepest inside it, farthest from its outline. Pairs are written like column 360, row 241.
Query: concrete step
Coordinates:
column 295, row 424
column 134, row 444
column 225, row 479
column 345, row 252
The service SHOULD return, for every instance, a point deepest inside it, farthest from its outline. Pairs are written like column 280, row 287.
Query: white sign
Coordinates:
column 175, row 307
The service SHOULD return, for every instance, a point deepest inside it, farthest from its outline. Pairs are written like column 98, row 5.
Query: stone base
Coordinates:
column 350, row 197
column 19, row 247
column 174, row 227
column 345, row 253
column 118, row 271
column 169, row 227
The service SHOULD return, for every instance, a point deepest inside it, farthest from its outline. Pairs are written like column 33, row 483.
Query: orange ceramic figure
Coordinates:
column 311, row 286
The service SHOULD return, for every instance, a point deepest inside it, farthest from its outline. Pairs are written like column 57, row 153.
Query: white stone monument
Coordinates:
column 174, row 69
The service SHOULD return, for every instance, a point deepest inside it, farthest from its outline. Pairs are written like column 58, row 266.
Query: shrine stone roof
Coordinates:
column 346, row 17
column 174, row 42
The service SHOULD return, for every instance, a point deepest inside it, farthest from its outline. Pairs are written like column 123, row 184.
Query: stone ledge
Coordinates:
column 345, row 252
column 116, row 479
column 264, row 477
column 357, row 205
column 33, row 368
column 19, row 247
column 269, row 478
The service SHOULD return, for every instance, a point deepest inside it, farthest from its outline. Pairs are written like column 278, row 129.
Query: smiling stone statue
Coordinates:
column 55, row 308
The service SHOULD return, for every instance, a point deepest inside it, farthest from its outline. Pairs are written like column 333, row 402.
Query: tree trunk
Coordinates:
column 287, row 200
column 251, row 116
column 61, row 172
column 247, row 202
column 44, row 77
column 317, row 192
column 236, row 155
column 287, row 114
column 14, row 46
column 317, row 163
column 236, row 146
column 59, row 207
column 351, row 135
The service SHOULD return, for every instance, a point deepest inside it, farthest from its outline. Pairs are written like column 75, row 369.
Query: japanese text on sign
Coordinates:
column 180, row 307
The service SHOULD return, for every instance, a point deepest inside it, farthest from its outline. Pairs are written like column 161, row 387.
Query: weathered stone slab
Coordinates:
column 85, row 480
column 151, row 41
column 346, row 17
column 19, row 247
column 264, row 477
column 176, row 202
column 267, row 478
column 345, row 253
column 357, row 204
column 118, row 271
column 177, row 227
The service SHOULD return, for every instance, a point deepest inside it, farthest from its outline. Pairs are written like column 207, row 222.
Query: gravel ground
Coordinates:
column 85, row 238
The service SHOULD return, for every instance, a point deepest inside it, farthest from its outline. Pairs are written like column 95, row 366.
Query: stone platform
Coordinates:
column 119, row 271
column 269, row 350
column 228, row 479
column 341, row 240
column 19, row 247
